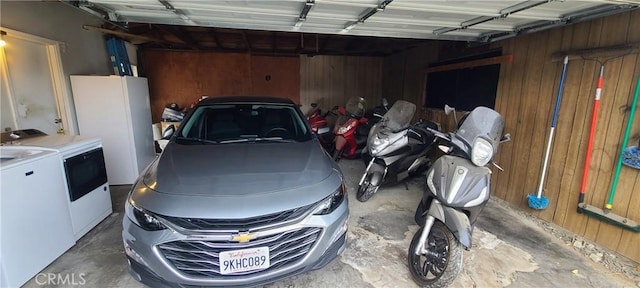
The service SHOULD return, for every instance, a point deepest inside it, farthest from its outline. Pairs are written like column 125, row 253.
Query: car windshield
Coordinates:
column 235, row 123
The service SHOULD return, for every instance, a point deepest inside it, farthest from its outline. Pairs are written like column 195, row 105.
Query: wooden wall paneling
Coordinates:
column 537, row 53
column 276, row 76
column 612, row 117
column 574, row 116
column 183, row 77
column 393, row 77
column 363, row 78
column 627, row 189
column 500, row 181
column 601, row 157
column 609, row 235
column 501, row 107
column 574, row 221
column 539, row 132
column 562, row 133
column 627, row 238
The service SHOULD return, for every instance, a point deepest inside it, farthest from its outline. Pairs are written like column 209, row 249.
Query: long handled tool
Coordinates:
column 605, row 214
column 592, row 133
column 538, row 201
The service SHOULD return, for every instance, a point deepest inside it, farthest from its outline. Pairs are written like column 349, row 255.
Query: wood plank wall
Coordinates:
column 526, row 97
column 331, row 80
column 182, row 77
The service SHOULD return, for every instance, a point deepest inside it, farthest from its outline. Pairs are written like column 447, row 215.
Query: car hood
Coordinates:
column 226, row 180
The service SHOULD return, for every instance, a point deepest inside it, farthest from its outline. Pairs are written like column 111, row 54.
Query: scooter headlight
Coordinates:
column 345, row 129
column 481, row 152
column 378, row 144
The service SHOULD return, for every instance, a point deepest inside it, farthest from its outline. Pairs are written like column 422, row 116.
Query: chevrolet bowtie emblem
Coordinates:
column 243, row 237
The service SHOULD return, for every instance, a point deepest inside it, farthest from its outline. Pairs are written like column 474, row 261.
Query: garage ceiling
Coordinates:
column 469, row 21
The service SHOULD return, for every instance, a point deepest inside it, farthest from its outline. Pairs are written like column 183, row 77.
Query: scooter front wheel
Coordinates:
column 440, row 266
column 366, row 190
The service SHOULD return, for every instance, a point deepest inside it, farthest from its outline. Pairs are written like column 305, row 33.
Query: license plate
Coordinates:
column 244, row 260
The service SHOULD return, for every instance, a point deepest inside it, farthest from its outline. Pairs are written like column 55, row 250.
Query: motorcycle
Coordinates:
column 320, row 125
column 457, row 189
column 351, row 129
column 395, row 149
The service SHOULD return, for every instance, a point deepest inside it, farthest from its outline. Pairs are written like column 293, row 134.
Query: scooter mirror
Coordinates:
column 506, row 138
column 314, row 105
column 385, row 103
column 448, row 109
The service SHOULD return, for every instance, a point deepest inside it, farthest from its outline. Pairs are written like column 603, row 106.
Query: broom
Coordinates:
column 538, row 201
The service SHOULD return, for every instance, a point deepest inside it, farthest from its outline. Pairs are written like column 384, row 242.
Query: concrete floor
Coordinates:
column 509, row 250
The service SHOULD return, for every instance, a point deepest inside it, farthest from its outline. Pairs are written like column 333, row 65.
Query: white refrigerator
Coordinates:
column 116, row 109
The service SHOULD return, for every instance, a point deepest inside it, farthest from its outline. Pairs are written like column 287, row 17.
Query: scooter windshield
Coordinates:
column 482, row 122
column 399, row 116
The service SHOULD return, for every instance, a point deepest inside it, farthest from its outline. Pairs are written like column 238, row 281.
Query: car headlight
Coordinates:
column 332, row 202
column 345, row 129
column 142, row 218
column 481, row 152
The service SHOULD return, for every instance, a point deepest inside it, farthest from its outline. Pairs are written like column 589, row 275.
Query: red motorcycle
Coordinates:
column 351, row 129
column 320, row 125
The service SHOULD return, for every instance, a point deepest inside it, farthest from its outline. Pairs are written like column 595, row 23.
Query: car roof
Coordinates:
column 246, row 99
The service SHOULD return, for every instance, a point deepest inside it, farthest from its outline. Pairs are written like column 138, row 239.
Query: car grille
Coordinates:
column 201, row 258
column 243, row 224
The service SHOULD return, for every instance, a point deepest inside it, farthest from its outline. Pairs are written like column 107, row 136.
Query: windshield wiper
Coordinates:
column 256, row 139
column 197, row 140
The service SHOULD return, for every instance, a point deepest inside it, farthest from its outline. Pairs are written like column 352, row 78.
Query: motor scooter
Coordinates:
column 320, row 125
column 351, row 129
column 395, row 149
column 457, row 189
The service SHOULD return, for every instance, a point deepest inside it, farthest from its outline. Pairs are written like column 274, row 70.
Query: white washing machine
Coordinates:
column 86, row 175
column 35, row 222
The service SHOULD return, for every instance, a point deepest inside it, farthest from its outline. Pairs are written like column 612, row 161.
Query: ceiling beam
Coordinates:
column 274, row 41
column 181, row 34
column 123, row 34
column 216, row 38
column 471, row 64
column 247, row 44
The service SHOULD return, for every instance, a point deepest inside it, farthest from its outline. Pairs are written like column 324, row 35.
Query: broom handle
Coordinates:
column 592, row 132
column 612, row 193
column 553, row 125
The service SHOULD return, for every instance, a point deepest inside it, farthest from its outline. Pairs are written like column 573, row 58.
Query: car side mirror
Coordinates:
column 168, row 132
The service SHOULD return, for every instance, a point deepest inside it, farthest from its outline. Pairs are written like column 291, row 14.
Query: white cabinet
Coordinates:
column 116, row 109
column 35, row 220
